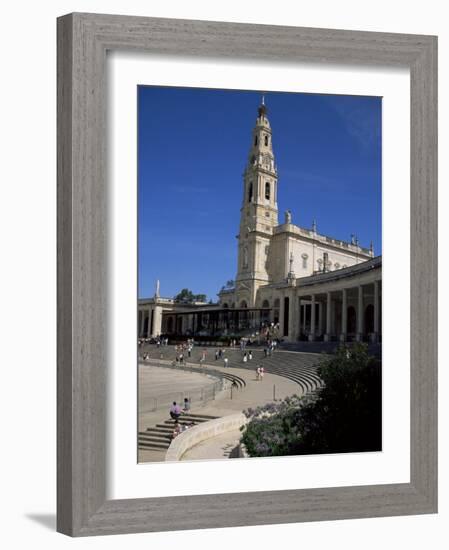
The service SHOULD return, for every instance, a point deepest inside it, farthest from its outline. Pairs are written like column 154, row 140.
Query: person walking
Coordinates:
column 262, row 372
column 258, row 373
column 225, row 362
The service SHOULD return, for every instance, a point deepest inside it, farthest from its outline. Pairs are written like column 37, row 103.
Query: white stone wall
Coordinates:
column 306, row 256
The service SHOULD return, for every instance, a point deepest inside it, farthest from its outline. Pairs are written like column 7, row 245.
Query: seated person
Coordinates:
column 176, row 430
column 175, row 411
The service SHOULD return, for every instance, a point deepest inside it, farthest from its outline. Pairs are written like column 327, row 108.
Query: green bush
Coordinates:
column 346, row 416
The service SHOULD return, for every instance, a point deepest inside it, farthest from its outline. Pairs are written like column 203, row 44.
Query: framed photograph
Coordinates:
column 247, row 274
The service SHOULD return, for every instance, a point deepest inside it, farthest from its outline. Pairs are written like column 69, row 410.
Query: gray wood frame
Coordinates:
column 83, row 40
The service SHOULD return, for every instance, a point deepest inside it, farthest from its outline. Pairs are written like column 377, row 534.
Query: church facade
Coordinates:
column 308, row 285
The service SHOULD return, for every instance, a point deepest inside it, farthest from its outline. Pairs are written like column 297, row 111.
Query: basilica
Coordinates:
column 308, row 286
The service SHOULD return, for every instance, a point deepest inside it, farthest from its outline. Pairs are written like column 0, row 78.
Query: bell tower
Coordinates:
column 259, row 212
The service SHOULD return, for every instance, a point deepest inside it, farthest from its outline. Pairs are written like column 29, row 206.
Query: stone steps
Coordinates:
column 297, row 367
column 159, row 437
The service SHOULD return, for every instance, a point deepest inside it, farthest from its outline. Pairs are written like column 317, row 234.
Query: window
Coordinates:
column 267, row 214
column 250, row 192
column 267, row 190
column 266, row 140
column 255, row 140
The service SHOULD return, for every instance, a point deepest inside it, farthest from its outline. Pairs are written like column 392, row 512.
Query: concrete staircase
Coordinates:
column 327, row 347
column 298, row 367
column 159, row 436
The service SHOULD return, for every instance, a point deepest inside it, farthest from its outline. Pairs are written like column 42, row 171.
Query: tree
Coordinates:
column 346, row 416
column 187, row 296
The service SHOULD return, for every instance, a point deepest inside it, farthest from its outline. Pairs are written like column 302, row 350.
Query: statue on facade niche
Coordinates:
column 288, row 216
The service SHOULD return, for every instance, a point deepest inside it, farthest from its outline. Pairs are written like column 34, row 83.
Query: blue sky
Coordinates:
column 193, row 145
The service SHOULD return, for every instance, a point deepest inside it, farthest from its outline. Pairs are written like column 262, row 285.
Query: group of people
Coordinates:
column 161, row 342
column 179, row 428
column 182, row 349
column 247, row 356
column 270, row 347
column 175, row 412
column 221, row 354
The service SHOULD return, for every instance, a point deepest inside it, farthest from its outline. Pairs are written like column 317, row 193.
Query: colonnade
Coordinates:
column 350, row 312
column 149, row 321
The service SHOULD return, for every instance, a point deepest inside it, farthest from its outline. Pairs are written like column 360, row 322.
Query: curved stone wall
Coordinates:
column 191, row 437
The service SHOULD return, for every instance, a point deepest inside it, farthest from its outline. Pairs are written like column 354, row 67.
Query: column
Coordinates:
column 327, row 336
column 359, row 336
column 312, row 320
column 292, row 330
column 344, row 315
column 157, row 321
column 376, row 311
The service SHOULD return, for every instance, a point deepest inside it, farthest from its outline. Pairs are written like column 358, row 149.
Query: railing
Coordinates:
column 198, row 396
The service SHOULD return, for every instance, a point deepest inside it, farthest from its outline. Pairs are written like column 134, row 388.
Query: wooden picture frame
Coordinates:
column 83, row 40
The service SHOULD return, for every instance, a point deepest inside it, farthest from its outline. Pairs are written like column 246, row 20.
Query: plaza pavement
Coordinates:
column 255, row 393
